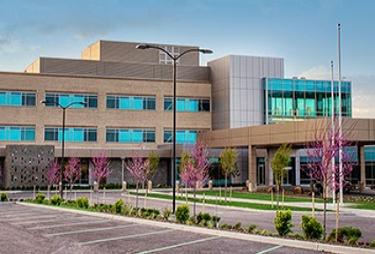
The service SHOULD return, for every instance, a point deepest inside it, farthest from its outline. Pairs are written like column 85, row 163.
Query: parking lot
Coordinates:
column 25, row 229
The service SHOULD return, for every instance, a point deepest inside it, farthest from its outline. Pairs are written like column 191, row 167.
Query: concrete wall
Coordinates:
column 126, row 52
column 237, row 91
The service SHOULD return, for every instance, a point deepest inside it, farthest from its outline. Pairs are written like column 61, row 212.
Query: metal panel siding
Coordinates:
column 122, row 70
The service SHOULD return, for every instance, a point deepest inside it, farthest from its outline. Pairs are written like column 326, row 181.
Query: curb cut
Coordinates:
column 316, row 246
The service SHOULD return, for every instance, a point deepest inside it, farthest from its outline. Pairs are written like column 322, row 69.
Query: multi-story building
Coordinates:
column 127, row 102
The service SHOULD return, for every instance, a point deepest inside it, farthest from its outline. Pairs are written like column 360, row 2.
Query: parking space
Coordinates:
column 49, row 231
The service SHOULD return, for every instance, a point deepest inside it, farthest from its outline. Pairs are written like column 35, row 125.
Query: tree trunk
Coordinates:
column 278, row 194
column 324, row 214
column 195, row 194
column 226, row 180
column 145, row 201
column 337, row 215
column 136, row 198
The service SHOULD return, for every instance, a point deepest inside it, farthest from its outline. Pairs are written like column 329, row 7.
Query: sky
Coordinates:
column 303, row 32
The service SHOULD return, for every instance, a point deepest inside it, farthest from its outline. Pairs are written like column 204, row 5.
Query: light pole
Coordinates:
column 174, row 58
column 63, row 137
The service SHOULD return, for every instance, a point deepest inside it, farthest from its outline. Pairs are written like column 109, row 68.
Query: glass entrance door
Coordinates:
column 261, row 175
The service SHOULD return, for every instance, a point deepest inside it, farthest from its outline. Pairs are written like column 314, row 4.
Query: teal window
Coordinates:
column 131, row 102
column 187, row 104
column 20, row 99
column 182, row 136
column 17, row 133
column 71, row 134
column 90, row 100
column 301, row 98
column 124, row 135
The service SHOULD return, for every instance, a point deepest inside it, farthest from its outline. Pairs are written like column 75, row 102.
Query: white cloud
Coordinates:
column 317, row 72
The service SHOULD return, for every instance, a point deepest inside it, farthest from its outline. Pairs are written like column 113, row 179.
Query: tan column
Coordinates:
column 362, row 165
column 267, row 167
column 252, row 164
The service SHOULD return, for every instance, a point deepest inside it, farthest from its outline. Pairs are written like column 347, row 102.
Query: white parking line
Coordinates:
column 124, row 237
column 27, row 218
column 39, row 221
column 23, row 214
column 90, row 230
column 71, row 224
column 17, row 211
column 270, row 249
column 179, row 245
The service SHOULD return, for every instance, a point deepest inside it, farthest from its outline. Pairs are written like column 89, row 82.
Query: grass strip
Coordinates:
column 258, row 196
column 364, row 206
column 232, row 204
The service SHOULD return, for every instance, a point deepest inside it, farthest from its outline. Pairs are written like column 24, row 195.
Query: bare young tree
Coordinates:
column 196, row 170
column 322, row 152
column 72, row 171
column 101, row 167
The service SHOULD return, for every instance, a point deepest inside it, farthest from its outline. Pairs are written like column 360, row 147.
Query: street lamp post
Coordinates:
column 63, row 137
column 174, row 58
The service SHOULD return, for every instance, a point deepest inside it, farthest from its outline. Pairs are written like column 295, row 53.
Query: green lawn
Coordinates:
column 365, row 206
column 233, row 204
column 258, row 196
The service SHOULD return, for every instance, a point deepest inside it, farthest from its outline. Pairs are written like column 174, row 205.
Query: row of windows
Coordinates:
column 305, row 85
column 8, row 98
column 17, row 98
column 17, row 133
column 131, row 102
column 117, row 135
column 130, row 135
column 91, row 101
column 187, row 104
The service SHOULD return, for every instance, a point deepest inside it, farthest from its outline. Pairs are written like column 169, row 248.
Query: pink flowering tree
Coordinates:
column 53, row 173
column 136, row 167
column 72, row 171
column 195, row 170
column 321, row 155
column 101, row 167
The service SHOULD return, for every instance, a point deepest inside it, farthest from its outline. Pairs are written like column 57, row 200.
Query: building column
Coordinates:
column 122, row 169
column 252, row 164
column 271, row 153
column 266, row 167
column 298, row 168
column 362, row 165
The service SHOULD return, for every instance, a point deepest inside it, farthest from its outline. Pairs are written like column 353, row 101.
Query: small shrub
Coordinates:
column 283, row 222
column 46, row 202
column 56, row 200
column 238, row 226
column 119, row 206
column 83, row 202
column 4, row 197
column 349, row 235
column 182, row 213
column 226, row 226
column 166, row 213
column 266, row 232
column 298, row 236
column 250, row 229
column 39, row 198
column 190, row 221
column 216, row 219
column 311, row 228
column 372, row 244
column 128, row 209
column 203, row 217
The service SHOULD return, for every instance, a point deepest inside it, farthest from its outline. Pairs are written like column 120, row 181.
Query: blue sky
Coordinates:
column 303, row 32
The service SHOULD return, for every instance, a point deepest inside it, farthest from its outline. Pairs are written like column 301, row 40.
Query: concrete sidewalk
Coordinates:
column 330, row 206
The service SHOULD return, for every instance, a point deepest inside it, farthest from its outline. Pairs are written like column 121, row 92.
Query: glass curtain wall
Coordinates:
column 293, row 99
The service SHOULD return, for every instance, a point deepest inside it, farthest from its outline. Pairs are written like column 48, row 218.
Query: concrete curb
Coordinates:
column 316, row 246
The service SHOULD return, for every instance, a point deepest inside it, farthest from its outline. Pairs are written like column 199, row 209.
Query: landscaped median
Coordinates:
column 235, row 202
column 205, row 223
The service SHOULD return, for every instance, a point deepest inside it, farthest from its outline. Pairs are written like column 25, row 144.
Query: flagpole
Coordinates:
column 340, row 120
column 333, row 135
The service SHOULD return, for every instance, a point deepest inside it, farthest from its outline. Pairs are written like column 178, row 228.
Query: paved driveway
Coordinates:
column 25, row 229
